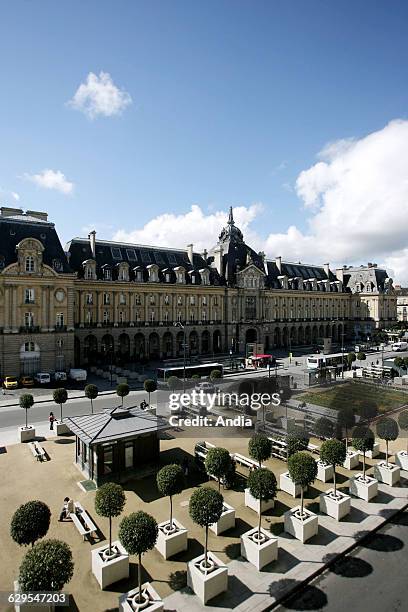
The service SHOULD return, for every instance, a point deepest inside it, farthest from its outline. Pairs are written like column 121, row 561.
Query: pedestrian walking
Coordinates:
column 51, row 419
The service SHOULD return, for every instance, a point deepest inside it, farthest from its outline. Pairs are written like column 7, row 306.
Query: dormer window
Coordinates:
column 89, row 269
column 57, row 265
column 30, row 264
column 138, row 274
column 205, row 276
column 153, row 273
column 107, row 274
column 123, row 274
column 180, row 275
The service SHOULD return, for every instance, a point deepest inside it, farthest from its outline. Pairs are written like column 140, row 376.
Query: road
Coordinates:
column 374, row 578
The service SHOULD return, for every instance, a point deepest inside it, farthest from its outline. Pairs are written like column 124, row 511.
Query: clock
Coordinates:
column 60, row 295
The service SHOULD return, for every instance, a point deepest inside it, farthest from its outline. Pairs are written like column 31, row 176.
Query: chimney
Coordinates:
column 205, row 254
column 190, row 253
column 326, row 267
column 340, row 274
column 218, row 260
column 92, row 242
column 278, row 261
column 6, row 211
column 42, row 216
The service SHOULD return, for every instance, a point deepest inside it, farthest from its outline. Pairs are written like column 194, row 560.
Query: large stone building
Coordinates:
column 100, row 299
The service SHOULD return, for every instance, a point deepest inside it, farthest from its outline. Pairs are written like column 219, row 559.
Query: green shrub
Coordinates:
column 30, row 522
column 110, row 500
column 170, row 481
column 91, row 392
column 48, row 566
column 122, row 390
column 26, row 402
column 302, row 471
column 259, row 448
column 218, row 463
column 333, row 452
column 387, row 429
column 205, row 507
column 60, row 397
column 263, row 486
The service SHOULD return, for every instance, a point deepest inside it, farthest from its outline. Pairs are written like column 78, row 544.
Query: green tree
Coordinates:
column 110, row 500
column 91, row 392
column 263, row 486
column 206, row 506
column 218, row 463
column 399, row 362
column 170, row 481
column 26, row 402
column 150, row 386
column 173, row 383
column 122, row 390
column 297, row 440
column 60, row 397
column 363, row 441
column 361, row 356
column 48, row 566
column 30, row 522
column 324, row 427
column 387, row 429
column 215, row 375
column 333, row 452
column 138, row 533
column 351, row 357
column 403, row 422
column 302, row 471
column 259, row 448
column 346, row 420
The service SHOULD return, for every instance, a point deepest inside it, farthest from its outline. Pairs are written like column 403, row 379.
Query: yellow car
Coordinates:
column 10, row 382
column 27, row 381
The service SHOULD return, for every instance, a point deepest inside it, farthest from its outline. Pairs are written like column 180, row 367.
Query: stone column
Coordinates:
column 51, row 313
column 44, row 309
column 7, row 320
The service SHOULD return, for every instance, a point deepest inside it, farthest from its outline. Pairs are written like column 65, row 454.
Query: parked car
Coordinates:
column 10, row 382
column 42, row 378
column 78, row 374
column 206, row 387
column 60, row 376
column 27, row 381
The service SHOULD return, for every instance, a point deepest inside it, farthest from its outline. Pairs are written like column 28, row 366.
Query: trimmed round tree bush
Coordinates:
column 215, row 375
column 30, row 522
column 324, row 428
column 403, row 423
column 218, row 463
column 297, row 440
column 363, row 441
column 170, row 481
column 150, row 386
column 91, row 392
column 205, row 507
column 387, row 429
column 351, row 357
column 110, row 500
column 333, row 452
column 173, row 383
column 122, row 390
column 48, row 566
column 259, row 448
column 302, row 471
column 60, row 397
column 346, row 419
column 26, row 402
column 361, row 356
column 138, row 533
column 263, row 486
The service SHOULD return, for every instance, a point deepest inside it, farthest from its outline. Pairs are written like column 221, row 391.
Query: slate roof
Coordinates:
column 109, row 425
column 376, row 278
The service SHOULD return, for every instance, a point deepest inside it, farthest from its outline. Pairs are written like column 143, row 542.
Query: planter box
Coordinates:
column 363, row 489
column 253, row 503
column 389, row 475
column 61, row 428
column 286, row 484
column 337, row 507
column 226, row 521
column 352, row 460
column 113, row 570
column 26, row 433
column 207, row 585
column 375, row 452
column 155, row 605
column 301, row 529
column 259, row 555
column 169, row 544
column 324, row 471
column 401, row 459
column 26, row 606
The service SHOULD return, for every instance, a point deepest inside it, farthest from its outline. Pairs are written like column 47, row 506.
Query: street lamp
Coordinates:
column 179, row 324
column 342, row 345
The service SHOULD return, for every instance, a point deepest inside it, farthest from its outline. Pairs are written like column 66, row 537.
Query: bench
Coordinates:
column 246, row 462
column 313, row 448
column 84, row 524
column 37, row 450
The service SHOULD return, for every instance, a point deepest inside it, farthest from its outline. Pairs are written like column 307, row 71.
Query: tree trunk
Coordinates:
column 334, row 479
column 386, row 453
column 91, row 405
column 26, row 418
column 61, row 413
column 139, row 577
column 206, row 545
column 259, row 520
column 110, row 534
column 171, row 512
column 364, row 465
column 346, row 440
column 122, row 401
column 149, row 399
column 301, row 501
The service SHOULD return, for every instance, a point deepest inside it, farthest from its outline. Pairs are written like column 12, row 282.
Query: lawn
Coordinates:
column 357, row 395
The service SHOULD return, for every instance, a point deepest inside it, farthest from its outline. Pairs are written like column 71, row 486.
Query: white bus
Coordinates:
column 399, row 346
column 315, row 362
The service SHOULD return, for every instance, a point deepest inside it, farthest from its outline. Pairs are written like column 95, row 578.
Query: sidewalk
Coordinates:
column 9, row 435
column 43, row 399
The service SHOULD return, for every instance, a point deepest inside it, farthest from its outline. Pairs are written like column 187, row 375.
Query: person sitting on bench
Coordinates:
column 67, row 509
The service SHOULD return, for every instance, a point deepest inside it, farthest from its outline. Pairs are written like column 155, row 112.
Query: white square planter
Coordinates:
column 286, row 484
column 337, row 507
column 352, row 460
column 26, row 433
column 324, row 471
column 253, row 503
column 375, row 452
column 363, row 489
column 25, row 606
column 301, row 529
column 389, row 475
column 155, row 602
column 401, row 459
column 61, row 428
column 207, row 585
column 170, row 543
column 111, row 570
column 226, row 521
column 259, row 554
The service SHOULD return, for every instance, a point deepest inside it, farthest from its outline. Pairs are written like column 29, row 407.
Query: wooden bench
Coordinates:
column 85, row 524
column 37, row 450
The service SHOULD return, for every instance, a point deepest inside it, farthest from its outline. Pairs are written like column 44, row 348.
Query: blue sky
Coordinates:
column 231, row 101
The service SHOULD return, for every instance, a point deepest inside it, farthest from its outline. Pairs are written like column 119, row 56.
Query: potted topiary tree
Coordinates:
column 218, row 464
column 150, row 386
column 206, row 574
column 333, row 502
column 122, row 390
column 299, row 522
column 215, row 375
column 110, row 564
column 401, row 458
column 361, row 485
column 46, row 567
column 30, row 522
column 91, row 392
column 323, row 428
column 259, row 449
column 138, row 534
column 172, row 535
column 297, row 440
column 389, row 473
column 257, row 545
column 60, row 397
column 346, row 419
column 26, row 432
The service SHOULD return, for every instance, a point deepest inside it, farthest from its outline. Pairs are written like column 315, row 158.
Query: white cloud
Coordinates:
column 51, row 179
column 100, row 96
column 15, row 196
